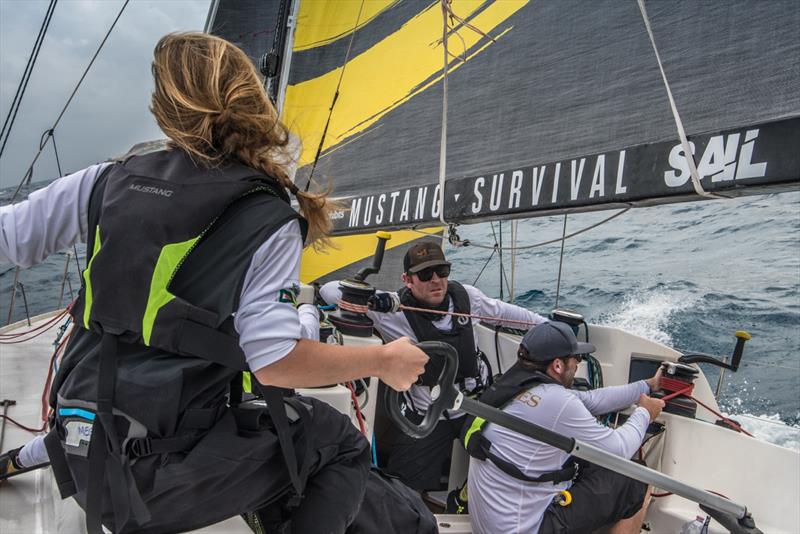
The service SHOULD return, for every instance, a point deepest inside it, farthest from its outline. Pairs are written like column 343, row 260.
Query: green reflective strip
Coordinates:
column 474, row 427
column 87, row 294
column 247, row 382
column 168, row 262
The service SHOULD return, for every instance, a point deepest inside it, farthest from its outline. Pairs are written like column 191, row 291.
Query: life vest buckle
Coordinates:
column 139, row 447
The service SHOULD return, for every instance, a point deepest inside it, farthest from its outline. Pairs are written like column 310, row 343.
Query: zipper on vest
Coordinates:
column 210, row 225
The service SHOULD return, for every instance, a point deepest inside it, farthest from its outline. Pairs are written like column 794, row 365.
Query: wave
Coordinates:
column 648, row 312
column 770, row 428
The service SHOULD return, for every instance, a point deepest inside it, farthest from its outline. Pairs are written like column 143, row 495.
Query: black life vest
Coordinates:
column 153, row 350
column 460, row 335
column 513, row 382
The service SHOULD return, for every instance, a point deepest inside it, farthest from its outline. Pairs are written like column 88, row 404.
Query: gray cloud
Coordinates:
column 109, row 113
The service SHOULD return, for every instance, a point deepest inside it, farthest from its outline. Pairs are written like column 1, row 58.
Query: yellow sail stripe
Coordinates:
column 383, row 77
column 350, row 249
column 319, row 24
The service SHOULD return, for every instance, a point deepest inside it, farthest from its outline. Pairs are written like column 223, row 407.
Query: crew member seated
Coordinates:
column 422, row 463
column 517, row 484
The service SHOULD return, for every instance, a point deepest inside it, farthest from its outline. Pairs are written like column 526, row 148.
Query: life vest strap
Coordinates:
column 561, row 475
column 210, row 344
column 138, row 447
column 58, row 461
column 297, row 473
column 106, row 459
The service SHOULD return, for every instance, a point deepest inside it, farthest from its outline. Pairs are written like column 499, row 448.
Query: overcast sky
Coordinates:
column 109, row 113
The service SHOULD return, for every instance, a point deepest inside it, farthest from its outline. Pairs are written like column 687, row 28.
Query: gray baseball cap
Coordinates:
column 552, row 340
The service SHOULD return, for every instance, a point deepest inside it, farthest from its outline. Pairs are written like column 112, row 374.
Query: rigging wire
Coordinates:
column 469, row 242
column 498, row 246
column 52, row 134
column 74, row 91
column 335, row 98
column 484, row 267
column 561, row 260
column 26, row 76
column 447, row 12
column 443, row 131
column 514, row 227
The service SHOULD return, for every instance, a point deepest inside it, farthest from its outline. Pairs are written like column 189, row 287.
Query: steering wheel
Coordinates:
column 444, row 393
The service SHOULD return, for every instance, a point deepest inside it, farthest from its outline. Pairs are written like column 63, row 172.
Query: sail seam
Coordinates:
column 687, row 151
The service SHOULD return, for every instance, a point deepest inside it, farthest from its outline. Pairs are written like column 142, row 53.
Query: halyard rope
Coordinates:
column 687, row 151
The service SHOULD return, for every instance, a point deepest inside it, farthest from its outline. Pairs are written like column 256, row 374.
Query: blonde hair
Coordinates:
column 210, row 102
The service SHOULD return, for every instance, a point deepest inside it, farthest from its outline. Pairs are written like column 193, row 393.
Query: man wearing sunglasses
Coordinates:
column 518, row 484
column 422, row 463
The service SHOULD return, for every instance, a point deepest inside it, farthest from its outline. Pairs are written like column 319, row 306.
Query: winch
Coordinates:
column 351, row 317
column 678, row 377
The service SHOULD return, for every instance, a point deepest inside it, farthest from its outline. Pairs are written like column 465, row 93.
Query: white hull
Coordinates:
column 760, row 475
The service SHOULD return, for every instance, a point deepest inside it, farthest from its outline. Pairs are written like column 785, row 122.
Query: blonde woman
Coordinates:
column 191, row 252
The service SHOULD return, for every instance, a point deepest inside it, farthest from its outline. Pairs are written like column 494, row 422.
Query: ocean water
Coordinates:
column 687, row 275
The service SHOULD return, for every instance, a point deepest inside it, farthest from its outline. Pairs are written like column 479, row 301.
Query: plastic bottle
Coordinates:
column 699, row 525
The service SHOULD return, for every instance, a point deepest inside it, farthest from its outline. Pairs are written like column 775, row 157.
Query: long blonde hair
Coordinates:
column 210, row 102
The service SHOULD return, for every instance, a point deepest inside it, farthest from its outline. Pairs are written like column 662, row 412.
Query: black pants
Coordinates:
column 600, row 497
column 231, row 471
column 421, row 463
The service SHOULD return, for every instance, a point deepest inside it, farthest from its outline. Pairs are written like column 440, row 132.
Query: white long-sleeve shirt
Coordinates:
column 55, row 217
column 395, row 325
column 501, row 503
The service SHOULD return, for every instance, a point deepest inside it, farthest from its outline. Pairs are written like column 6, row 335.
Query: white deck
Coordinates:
column 29, row 503
column 762, row 476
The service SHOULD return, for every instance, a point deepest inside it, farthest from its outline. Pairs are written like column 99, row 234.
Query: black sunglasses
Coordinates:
column 425, row 275
column 578, row 358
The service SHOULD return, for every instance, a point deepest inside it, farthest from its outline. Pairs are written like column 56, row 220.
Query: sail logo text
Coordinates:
column 647, row 174
column 151, row 190
column 719, row 160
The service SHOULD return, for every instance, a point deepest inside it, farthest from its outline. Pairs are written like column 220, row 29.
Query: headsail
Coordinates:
column 565, row 110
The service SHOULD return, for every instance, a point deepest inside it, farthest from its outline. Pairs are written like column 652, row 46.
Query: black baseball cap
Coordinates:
column 423, row 255
column 552, row 340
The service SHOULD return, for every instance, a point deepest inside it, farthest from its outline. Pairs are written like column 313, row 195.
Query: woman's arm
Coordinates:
column 270, row 331
column 311, row 364
column 52, row 219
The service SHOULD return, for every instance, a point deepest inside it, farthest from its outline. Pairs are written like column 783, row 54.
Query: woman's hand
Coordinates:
column 402, row 364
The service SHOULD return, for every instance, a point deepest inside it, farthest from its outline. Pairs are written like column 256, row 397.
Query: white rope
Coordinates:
column 681, row 132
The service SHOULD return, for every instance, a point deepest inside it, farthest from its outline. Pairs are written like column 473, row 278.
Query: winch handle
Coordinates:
column 741, row 338
column 377, row 258
column 444, row 393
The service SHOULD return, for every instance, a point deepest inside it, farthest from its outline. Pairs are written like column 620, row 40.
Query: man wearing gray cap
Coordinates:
column 515, row 481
